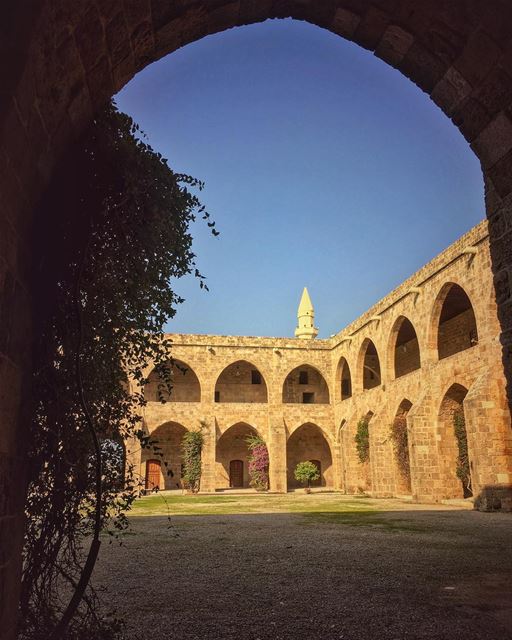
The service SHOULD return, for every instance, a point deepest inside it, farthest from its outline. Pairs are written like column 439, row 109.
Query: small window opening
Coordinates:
column 303, row 377
column 217, row 396
column 308, row 397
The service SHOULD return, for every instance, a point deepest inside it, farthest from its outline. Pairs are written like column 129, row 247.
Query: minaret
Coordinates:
column 306, row 329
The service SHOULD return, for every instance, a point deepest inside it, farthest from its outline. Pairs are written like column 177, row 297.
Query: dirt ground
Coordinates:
column 378, row 569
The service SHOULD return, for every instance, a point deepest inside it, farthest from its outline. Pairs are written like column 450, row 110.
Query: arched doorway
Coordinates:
column 308, row 442
column 231, row 457
column 153, row 480
column 456, row 322
column 454, row 457
column 305, row 385
column 406, row 349
column 236, row 474
column 241, row 382
column 165, row 448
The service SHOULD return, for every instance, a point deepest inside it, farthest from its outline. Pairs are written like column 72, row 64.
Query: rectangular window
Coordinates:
column 303, row 377
column 255, row 377
column 308, row 397
column 217, row 396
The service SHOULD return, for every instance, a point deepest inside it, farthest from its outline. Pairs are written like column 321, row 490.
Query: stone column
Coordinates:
column 427, row 484
column 277, row 454
column 208, row 455
column 489, row 442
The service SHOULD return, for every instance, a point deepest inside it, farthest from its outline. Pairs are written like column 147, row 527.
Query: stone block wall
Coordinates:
column 62, row 60
column 325, row 430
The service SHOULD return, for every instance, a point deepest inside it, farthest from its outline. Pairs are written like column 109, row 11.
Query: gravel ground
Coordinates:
column 410, row 572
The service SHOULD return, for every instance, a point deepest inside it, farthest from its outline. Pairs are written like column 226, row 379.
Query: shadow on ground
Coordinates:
column 372, row 573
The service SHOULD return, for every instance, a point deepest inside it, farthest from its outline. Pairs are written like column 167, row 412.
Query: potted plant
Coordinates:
column 306, row 472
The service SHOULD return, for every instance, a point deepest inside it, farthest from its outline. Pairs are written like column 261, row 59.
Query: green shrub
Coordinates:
column 191, row 448
column 401, row 446
column 306, row 472
column 463, row 470
column 362, row 439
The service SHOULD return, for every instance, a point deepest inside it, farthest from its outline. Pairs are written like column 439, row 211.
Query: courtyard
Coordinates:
column 261, row 566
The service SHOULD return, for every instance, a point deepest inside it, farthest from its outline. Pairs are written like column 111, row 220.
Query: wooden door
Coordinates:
column 317, row 483
column 152, row 474
column 236, row 473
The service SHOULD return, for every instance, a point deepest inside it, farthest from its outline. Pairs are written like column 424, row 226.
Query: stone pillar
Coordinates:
column 338, row 466
column 277, row 455
column 381, row 457
column 208, row 456
column 426, row 478
column 489, row 442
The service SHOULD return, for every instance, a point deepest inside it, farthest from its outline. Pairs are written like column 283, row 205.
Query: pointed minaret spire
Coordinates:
column 306, row 329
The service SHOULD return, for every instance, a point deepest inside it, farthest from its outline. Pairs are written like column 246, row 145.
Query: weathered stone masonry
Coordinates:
column 429, row 348
column 61, row 60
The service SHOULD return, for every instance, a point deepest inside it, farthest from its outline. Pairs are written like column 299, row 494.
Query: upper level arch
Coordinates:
column 404, row 349
column 369, row 365
column 241, row 381
column 305, row 385
column 183, row 383
column 454, row 325
column 343, row 379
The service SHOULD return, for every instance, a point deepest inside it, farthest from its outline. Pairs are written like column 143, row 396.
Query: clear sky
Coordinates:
column 324, row 167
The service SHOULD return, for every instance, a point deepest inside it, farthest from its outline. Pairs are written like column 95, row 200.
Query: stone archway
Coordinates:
column 166, row 439
column 183, row 386
column 66, row 59
column 454, row 322
column 451, row 420
column 344, row 379
column 404, row 348
column 308, row 442
column 241, row 381
column 305, row 385
column 401, row 456
column 369, row 365
column 231, row 457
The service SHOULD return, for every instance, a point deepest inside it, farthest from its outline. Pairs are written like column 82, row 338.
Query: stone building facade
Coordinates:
column 427, row 351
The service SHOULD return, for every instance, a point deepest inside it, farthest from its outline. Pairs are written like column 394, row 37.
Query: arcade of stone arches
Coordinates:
column 430, row 366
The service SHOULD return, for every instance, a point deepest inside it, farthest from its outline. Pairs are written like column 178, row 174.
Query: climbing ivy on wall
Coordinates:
column 111, row 232
column 258, row 463
column 362, row 439
column 191, row 448
column 401, row 446
column 463, row 469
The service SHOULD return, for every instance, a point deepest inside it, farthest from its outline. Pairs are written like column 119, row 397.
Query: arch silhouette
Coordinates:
column 309, row 442
column 447, row 67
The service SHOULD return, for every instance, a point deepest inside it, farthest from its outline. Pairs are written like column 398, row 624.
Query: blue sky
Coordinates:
column 324, row 167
